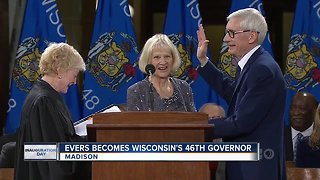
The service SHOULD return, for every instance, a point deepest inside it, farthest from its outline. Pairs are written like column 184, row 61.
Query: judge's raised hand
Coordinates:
column 202, row 45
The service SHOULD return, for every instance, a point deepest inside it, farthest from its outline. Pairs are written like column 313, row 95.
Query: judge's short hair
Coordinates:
column 60, row 56
column 158, row 41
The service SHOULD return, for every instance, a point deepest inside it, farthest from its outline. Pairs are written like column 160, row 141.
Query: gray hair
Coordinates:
column 158, row 41
column 251, row 19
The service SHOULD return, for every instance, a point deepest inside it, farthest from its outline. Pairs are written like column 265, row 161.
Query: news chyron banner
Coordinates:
column 97, row 151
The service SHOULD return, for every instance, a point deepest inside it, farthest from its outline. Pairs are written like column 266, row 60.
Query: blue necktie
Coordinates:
column 238, row 71
column 299, row 137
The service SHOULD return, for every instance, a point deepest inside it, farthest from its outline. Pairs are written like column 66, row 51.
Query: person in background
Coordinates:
column 256, row 99
column 160, row 91
column 302, row 111
column 7, row 150
column 8, row 138
column 7, row 156
column 217, row 169
column 46, row 118
column 308, row 148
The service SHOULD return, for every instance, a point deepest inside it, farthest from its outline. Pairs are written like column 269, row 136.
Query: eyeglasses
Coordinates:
column 233, row 33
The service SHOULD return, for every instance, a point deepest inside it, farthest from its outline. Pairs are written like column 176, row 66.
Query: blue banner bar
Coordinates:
column 158, row 147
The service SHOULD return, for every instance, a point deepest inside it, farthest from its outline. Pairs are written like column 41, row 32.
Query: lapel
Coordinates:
column 288, row 143
column 251, row 60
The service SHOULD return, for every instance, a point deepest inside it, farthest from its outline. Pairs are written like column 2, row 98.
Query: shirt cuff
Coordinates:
column 202, row 65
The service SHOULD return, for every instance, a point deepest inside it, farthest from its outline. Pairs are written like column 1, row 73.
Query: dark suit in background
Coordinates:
column 302, row 113
column 7, row 149
column 308, row 148
column 7, row 156
column 307, row 156
column 7, row 138
column 290, row 141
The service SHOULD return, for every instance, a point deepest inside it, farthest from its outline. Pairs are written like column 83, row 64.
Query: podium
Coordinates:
column 150, row 127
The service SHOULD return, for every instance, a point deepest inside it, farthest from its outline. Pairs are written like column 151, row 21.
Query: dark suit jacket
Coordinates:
column 307, row 157
column 8, row 138
column 256, row 107
column 7, row 156
column 288, row 143
column 7, row 149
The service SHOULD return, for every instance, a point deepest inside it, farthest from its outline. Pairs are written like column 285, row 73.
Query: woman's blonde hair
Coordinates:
column 315, row 135
column 158, row 41
column 60, row 56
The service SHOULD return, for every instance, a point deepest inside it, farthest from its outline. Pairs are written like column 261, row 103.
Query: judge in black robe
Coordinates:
column 46, row 118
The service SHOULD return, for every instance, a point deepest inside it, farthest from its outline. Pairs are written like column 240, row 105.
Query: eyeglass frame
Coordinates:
column 229, row 32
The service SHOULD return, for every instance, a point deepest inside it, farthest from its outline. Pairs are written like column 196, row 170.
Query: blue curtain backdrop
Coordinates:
column 181, row 25
column 112, row 59
column 302, row 66
column 41, row 26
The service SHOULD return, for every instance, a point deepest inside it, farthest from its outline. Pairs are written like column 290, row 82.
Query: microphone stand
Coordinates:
column 151, row 107
column 150, row 69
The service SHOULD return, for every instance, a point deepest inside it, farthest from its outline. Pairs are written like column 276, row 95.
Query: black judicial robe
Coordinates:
column 45, row 118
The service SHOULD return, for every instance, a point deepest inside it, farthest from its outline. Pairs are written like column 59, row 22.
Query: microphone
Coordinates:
column 150, row 69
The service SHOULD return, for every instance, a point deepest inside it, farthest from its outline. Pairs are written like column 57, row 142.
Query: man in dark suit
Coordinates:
column 302, row 110
column 256, row 99
column 7, row 150
column 7, row 155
